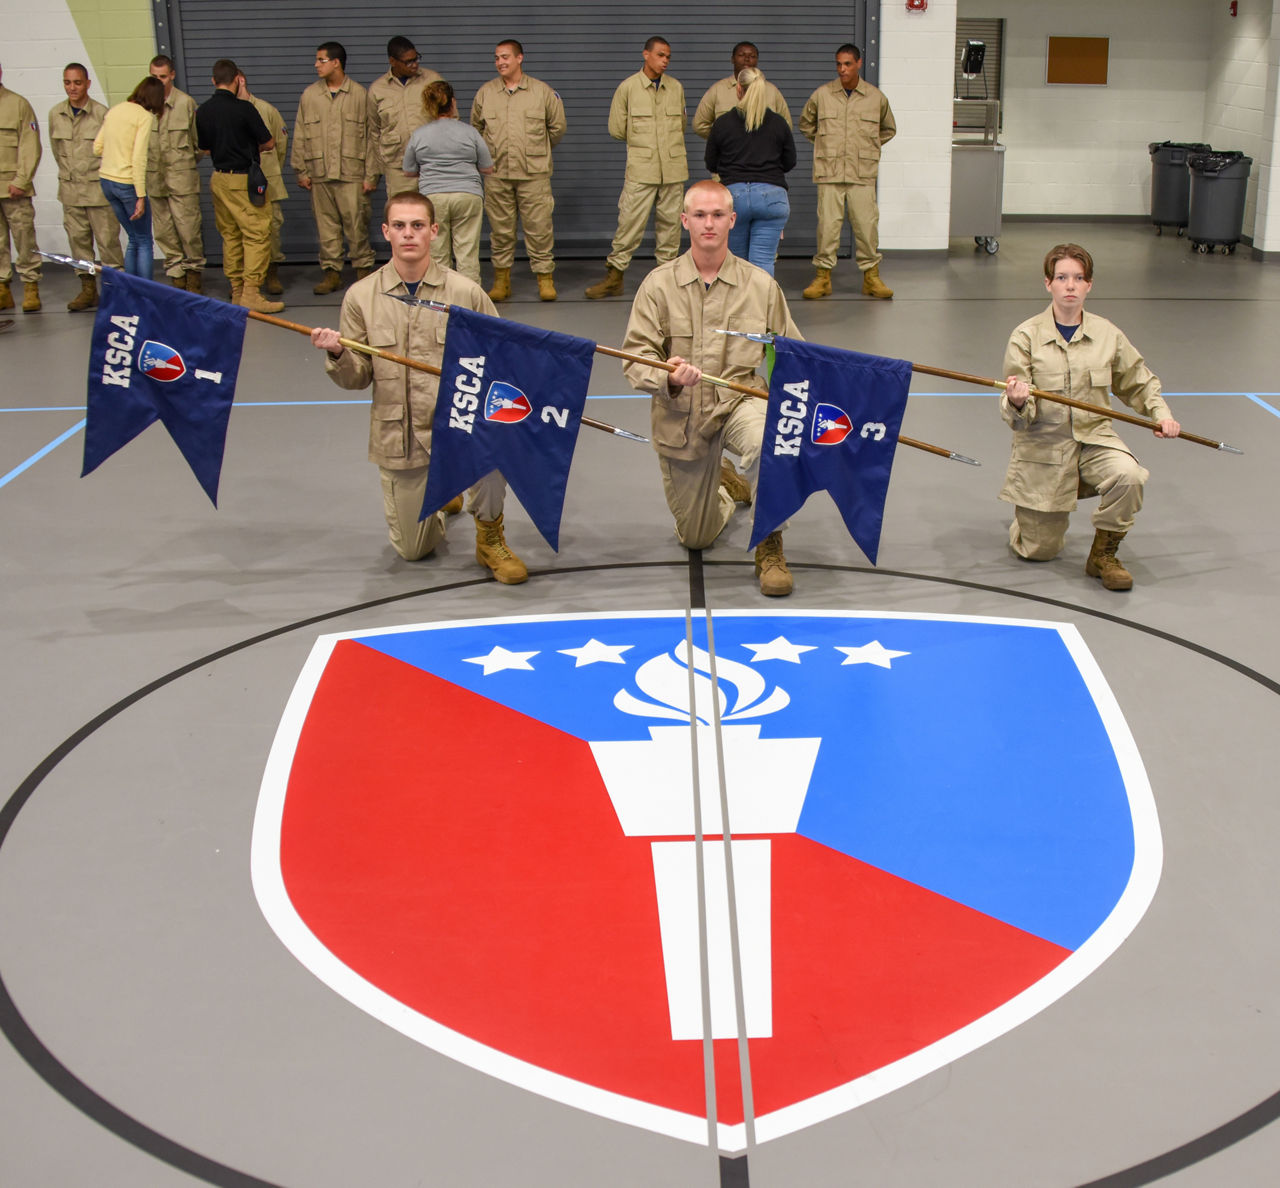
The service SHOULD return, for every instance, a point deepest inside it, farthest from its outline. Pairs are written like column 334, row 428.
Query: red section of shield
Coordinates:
column 466, row 860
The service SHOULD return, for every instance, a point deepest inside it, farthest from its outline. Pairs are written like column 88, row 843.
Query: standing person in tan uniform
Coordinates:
column 397, row 110
column 521, row 120
column 173, row 183
column 722, row 97
column 648, row 113
column 404, row 401
column 1060, row 453
column 335, row 155
column 86, row 214
column 19, row 156
column 849, row 121
column 677, row 308
column 272, row 163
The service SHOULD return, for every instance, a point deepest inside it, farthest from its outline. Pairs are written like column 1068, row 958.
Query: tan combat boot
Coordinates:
column 453, row 507
column 272, row 284
column 771, row 567
column 195, row 282
column 820, row 286
column 331, row 283
column 252, row 298
column 87, row 298
column 873, row 286
column 738, row 487
column 611, row 286
column 501, row 284
column 237, row 287
column 6, row 296
column 546, row 287
column 30, row 297
column 493, row 554
column 1105, row 565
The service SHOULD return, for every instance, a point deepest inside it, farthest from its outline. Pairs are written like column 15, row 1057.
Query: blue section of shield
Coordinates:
column 975, row 764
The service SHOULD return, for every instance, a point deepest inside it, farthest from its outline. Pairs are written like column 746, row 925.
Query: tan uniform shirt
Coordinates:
column 520, row 127
column 172, row 156
column 651, row 118
column 273, row 160
column 722, row 97
column 404, row 400
column 19, row 143
column 848, row 132
column 334, row 137
column 674, row 313
column 71, row 138
column 1098, row 360
column 397, row 111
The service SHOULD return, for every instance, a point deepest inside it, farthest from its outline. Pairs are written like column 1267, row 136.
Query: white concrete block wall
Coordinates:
column 917, row 50
column 1266, row 169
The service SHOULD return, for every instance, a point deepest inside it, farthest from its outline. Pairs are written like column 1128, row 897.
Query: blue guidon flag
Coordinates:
column 516, row 884
column 162, row 354
column 511, row 399
column 832, row 425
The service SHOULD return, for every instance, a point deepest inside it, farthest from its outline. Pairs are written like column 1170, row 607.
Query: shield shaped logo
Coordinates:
column 491, row 835
column 160, row 362
column 831, row 425
column 505, row 403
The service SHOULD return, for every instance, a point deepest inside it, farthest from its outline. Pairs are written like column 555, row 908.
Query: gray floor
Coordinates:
column 162, row 1034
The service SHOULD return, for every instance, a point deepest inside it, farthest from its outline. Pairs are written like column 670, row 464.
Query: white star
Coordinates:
column 873, row 653
column 595, row 652
column 778, row 649
column 500, row 658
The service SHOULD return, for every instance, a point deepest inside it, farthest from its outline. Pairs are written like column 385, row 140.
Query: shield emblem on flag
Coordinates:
column 489, row 835
column 161, row 362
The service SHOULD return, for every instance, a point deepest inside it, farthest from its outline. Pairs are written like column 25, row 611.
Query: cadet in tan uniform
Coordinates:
column 648, row 113
column 521, row 120
column 397, row 110
column 404, row 401
column 86, row 214
column 19, row 156
column 335, row 155
column 849, row 121
column 173, row 183
column 722, row 96
column 273, row 167
column 677, row 308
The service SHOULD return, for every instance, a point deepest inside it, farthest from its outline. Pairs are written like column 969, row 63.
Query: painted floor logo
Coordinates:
column 484, row 834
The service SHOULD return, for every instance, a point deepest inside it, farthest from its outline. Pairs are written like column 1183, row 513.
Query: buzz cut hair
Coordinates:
column 80, row 66
column 164, row 62
column 336, row 51
column 850, row 48
column 225, row 72
column 648, row 45
column 513, row 43
column 400, row 45
column 409, row 198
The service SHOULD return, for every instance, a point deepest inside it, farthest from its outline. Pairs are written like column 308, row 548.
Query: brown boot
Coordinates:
column 873, row 286
column 30, row 297
column 87, row 298
column 771, row 567
column 738, row 487
column 611, row 286
column 272, row 284
column 820, row 286
column 195, row 282
column 453, row 507
column 546, row 287
column 1105, row 565
column 361, row 273
column 493, row 554
column 331, row 283
column 501, row 286
column 179, row 281
column 252, row 298
column 6, row 296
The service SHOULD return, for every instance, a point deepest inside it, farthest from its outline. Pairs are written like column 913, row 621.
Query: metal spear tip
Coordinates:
column 962, row 458
column 438, row 306
column 71, row 261
column 765, row 338
column 631, row 436
column 1229, row 449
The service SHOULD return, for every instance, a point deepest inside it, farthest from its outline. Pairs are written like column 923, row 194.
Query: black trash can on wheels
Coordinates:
column 1171, row 184
column 1219, row 181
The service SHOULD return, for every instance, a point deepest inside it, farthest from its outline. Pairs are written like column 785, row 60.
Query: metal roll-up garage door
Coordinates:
column 582, row 50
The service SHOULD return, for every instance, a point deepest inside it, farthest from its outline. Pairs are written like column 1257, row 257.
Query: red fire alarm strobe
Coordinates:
column 921, row 5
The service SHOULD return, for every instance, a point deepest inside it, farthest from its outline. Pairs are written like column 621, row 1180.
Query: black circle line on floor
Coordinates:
column 78, row 1094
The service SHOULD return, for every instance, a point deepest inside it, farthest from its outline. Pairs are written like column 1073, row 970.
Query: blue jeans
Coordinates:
column 139, row 256
column 762, row 213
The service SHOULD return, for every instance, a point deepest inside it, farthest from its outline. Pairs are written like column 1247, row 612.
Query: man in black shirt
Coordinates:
column 231, row 131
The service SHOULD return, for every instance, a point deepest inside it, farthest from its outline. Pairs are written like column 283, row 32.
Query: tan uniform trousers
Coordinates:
column 1116, row 476
column 87, row 225
column 700, row 505
column 341, row 208
column 175, row 225
column 277, row 221
column 245, row 230
column 634, row 204
column 530, row 200
column 17, row 219
column 402, row 492
column 458, row 244
column 834, row 200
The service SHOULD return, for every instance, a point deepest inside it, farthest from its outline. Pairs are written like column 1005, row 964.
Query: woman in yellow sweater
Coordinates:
column 122, row 144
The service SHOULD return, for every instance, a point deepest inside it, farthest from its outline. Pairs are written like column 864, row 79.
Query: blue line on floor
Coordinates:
column 53, row 445
column 1275, row 412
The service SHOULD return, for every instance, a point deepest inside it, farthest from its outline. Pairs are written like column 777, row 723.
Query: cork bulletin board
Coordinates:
column 1078, row 61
